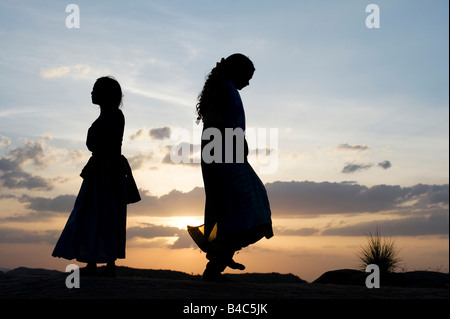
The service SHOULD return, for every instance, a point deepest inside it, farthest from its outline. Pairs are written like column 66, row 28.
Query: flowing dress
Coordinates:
column 95, row 231
column 237, row 210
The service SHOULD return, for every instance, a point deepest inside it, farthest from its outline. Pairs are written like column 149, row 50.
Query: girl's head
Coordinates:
column 107, row 93
column 237, row 67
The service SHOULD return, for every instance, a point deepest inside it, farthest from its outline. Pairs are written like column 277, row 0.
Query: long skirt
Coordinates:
column 96, row 229
column 237, row 210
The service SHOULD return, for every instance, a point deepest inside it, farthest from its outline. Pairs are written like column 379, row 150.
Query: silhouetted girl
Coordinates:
column 237, row 211
column 95, row 230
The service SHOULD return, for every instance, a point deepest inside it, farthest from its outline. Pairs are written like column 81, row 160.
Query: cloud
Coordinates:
column 175, row 203
column 137, row 161
column 16, row 179
column 12, row 173
column 348, row 147
column 140, row 133
column 41, row 208
column 59, row 204
column 408, row 208
column 4, row 141
column 159, row 95
column 55, row 72
column 279, row 231
column 184, row 241
column 352, row 168
column 17, row 165
column 10, row 235
column 183, row 153
column 430, row 224
column 294, row 199
column 32, row 217
column 31, row 151
column 287, row 200
column 157, row 133
column 385, row 164
column 160, row 133
column 77, row 71
column 311, row 199
column 150, row 231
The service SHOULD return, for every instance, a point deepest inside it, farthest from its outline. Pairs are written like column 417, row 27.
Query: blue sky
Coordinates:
column 321, row 74
column 344, row 98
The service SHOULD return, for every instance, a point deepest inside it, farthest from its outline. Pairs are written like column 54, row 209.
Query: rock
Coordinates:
column 342, row 277
column 417, row 279
column 266, row 278
column 427, row 279
column 24, row 271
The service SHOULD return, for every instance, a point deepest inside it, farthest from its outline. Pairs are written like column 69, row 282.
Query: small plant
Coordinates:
column 381, row 252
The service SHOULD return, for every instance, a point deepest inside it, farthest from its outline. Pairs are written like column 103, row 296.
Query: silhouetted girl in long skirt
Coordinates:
column 95, row 230
column 237, row 211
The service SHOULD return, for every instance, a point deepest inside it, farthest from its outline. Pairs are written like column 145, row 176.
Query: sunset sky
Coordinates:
column 356, row 120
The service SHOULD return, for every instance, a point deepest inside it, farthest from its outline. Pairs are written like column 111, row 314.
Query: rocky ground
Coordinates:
column 180, row 290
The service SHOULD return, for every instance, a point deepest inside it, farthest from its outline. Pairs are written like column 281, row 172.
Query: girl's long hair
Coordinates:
column 223, row 69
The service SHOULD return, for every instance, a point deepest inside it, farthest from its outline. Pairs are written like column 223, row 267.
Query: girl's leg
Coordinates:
column 220, row 257
column 110, row 269
column 89, row 270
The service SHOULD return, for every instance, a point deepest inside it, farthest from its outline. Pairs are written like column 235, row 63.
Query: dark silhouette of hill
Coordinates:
column 31, row 272
column 178, row 275
column 132, row 283
column 416, row 279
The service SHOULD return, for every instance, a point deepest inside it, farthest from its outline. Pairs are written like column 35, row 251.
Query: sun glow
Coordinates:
column 178, row 222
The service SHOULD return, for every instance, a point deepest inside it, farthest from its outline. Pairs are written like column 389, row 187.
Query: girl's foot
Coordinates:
column 89, row 270
column 214, row 276
column 234, row 265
